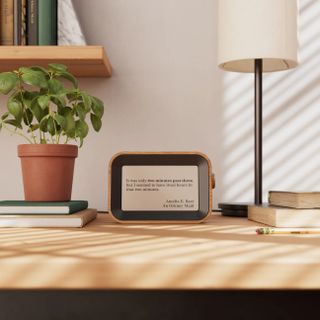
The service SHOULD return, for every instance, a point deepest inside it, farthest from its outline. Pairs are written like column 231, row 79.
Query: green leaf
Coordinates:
column 71, row 133
column 25, row 70
column 41, row 69
column 81, row 142
column 27, row 117
column 33, row 127
column 96, row 122
column 43, row 91
column 57, row 67
column 55, row 86
column 5, row 116
column 28, row 97
column 86, row 101
column 66, row 111
column 43, row 124
column 37, row 110
column 82, row 129
column 15, row 108
column 8, row 81
column 43, row 101
column 70, row 77
column 59, row 119
column 34, row 78
column 73, row 94
column 51, row 126
column 69, row 123
column 97, row 107
column 13, row 122
column 59, row 100
column 81, row 112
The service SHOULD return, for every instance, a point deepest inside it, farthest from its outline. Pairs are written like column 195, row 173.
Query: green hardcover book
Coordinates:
column 33, row 207
column 47, row 22
column 32, row 22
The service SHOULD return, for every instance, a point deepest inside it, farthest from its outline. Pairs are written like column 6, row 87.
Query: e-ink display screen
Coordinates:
column 160, row 188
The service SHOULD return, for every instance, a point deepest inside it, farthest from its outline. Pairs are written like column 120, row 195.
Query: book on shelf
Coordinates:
column 6, row 23
column 74, row 220
column 13, row 22
column 300, row 200
column 39, row 22
column 47, row 22
column 31, row 207
column 32, row 22
column 23, row 26
column 17, row 17
column 284, row 217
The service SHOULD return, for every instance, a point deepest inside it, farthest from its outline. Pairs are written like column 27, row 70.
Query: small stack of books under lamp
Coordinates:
column 288, row 210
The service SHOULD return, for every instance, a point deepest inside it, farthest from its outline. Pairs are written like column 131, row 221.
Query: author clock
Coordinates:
column 155, row 187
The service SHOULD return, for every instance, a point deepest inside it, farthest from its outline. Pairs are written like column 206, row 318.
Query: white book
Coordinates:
column 74, row 220
column 285, row 217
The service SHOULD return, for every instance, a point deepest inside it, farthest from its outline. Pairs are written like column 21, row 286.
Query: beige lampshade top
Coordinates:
column 257, row 29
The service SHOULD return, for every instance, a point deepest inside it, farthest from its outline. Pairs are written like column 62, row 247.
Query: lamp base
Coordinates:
column 235, row 209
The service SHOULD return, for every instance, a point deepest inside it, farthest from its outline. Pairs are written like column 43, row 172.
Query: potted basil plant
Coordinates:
column 53, row 119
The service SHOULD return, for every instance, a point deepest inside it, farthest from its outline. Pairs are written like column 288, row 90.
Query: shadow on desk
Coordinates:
column 153, row 304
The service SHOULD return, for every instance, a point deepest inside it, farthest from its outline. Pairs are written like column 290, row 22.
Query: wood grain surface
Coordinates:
column 82, row 61
column 222, row 253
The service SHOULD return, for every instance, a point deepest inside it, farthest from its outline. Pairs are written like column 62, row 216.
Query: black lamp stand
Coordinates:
column 258, row 131
column 241, row 209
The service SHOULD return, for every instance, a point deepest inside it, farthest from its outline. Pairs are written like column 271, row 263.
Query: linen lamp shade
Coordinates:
column 257, row 29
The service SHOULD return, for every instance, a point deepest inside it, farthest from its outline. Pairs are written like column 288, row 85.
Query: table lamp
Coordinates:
column 256, row 36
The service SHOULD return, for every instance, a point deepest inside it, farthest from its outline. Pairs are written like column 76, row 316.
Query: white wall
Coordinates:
column 166, row 93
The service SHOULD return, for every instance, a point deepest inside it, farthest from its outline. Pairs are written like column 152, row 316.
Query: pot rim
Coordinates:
column 47, row 150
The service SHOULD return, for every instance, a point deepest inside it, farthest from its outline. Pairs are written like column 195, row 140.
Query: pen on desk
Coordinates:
column 267, row 230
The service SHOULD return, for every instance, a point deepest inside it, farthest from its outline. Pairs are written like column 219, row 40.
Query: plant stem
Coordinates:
column 58, row 139
column 55, row 131
column 23, row 105
column 17, row 132
column 42, row 137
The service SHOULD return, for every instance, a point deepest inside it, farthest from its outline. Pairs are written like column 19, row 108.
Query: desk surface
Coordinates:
column 223, row 253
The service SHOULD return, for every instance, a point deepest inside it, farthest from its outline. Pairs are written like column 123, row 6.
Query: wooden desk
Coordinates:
column 223, row 253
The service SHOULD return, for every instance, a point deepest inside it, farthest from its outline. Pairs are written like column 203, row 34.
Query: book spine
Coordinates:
column 47, row 17
column 78, row 206
column 23, row 29
column 17, row 22
column 6, row 24
column 32, row 27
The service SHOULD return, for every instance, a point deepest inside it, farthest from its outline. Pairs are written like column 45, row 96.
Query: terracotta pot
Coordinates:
column 47, row 171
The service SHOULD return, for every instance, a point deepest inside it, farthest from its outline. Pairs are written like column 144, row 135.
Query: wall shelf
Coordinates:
column 82, row 61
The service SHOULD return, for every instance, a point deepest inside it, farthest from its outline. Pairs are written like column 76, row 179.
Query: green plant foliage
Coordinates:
column 46, row 105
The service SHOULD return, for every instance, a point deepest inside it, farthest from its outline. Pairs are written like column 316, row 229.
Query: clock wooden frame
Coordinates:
column 205, row 183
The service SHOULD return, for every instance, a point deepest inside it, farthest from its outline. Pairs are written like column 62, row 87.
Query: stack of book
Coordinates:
column 28, row 22
column 39, row 22
column 288, row 210
column 45, row 214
